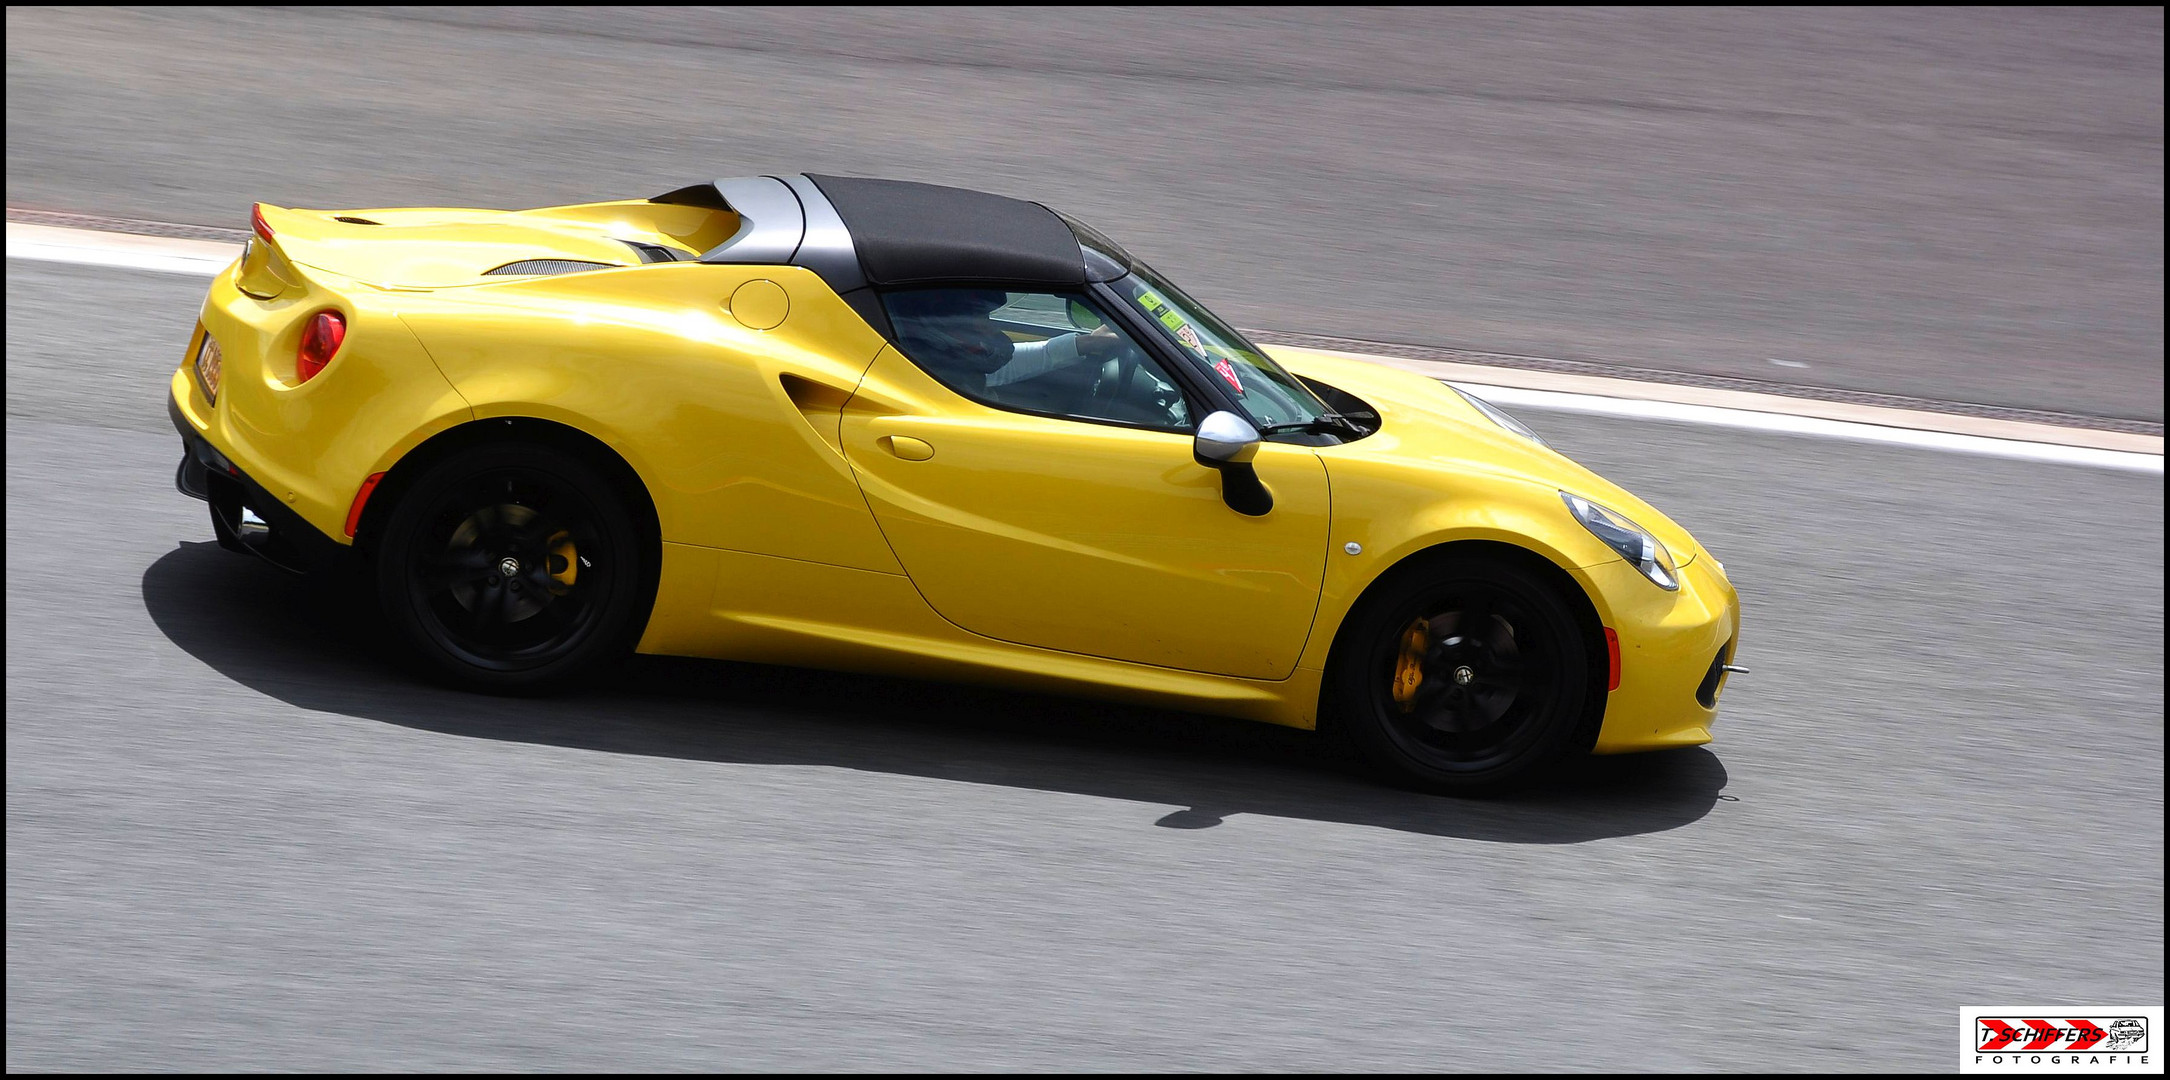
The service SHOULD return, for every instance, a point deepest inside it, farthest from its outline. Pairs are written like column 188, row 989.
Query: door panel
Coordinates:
column 1086, row 537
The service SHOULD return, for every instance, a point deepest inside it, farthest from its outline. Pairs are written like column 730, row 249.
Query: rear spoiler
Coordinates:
column 265, row 270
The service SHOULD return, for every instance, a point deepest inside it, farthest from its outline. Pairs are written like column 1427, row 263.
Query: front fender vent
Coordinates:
column 548, row 266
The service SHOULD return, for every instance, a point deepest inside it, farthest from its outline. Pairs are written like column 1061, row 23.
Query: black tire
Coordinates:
column 1503, row 676
column 513, row 568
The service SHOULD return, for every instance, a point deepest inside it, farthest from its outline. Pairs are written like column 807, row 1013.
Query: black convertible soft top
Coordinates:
column 909, row 233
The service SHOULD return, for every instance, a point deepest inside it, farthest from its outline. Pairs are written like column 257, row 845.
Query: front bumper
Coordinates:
column 1671, row 647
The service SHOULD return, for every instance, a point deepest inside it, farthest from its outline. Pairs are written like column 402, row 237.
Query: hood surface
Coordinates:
column 1426, row 425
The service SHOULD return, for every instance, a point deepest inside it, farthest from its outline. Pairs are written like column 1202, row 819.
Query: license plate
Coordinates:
column 208, row 364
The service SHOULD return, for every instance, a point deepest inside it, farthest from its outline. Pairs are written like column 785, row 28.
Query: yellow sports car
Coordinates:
column 919, row 430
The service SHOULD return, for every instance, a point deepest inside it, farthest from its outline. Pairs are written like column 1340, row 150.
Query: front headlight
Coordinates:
column 1499, row 416
column 1634, row 543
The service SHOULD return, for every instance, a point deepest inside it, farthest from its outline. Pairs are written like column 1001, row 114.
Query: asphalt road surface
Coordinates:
column 240, row 837
column 1961, row 205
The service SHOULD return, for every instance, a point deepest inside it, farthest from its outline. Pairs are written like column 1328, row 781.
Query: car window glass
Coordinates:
column 1040, row 352
column 1266, row 390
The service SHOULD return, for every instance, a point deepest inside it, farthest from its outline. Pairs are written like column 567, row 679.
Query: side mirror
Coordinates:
column 1226, row 443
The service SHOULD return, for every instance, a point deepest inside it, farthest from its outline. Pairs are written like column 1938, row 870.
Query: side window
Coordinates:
column 1050, row 353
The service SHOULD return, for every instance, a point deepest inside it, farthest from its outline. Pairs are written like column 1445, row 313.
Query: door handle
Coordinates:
column 906, row 447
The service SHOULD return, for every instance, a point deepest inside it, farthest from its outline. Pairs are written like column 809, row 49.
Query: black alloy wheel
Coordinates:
column 512, row 567
column 1463, row 677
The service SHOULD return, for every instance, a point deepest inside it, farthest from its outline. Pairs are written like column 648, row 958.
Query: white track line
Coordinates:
column 1522, row 378
column 1504, row 386
column 1711, row 416
column 159, row 254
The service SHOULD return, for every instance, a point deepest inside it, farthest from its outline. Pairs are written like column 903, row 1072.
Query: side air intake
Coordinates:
column 651, row 253
column 548, row 266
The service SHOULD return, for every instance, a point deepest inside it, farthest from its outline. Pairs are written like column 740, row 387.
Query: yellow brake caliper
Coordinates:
column 561, row 548
column 1409, row 666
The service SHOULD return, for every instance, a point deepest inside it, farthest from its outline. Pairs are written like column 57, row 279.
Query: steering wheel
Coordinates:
column 1107, row 391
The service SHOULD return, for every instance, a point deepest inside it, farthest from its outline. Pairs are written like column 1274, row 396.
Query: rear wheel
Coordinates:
column 1462, row 676
column 512, row 567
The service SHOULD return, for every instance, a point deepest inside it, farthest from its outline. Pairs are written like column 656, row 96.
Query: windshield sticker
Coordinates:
column 1228, row 371
column 1185, row 334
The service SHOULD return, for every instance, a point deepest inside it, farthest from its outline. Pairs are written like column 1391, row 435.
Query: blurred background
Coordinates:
column 1952, row 204
column 242, row 837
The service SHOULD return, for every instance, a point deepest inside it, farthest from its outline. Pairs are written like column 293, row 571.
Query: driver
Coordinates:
column 952, row 334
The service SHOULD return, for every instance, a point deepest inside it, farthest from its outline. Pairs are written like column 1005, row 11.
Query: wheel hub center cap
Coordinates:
column 1462, row 675
column 508, row 566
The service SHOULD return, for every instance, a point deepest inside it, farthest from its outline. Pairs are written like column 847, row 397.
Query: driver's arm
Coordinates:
column 1032, row 359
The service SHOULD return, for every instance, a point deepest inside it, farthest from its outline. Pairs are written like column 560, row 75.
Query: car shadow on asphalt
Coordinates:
column 324, row 648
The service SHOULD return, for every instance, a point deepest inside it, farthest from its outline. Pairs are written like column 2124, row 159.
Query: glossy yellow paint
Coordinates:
column 764, row 609
column 732, row 428
column 1439, row 472
column 1088, row 538
column 438, row 248
column 312, row 443
column 759, row 304
column 1667, row 643
column 825, row 503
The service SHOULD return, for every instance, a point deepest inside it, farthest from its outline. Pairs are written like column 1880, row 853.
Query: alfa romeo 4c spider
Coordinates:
column 899, row 428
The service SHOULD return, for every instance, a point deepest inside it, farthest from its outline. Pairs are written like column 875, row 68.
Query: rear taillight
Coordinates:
column 256, row 222
column 319, row 343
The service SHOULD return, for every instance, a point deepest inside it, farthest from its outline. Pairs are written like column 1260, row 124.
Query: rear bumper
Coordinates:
column 284, row 538
column 197, row 456
column 1671, row 646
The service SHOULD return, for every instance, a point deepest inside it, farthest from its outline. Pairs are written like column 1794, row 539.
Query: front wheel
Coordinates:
column 512, row 568
column 1462, row 676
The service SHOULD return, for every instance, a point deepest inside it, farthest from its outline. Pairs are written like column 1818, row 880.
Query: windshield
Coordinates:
column 1272, row 396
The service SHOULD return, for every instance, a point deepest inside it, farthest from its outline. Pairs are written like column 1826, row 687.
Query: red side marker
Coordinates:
column 361, row 498
column 1612, row 652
